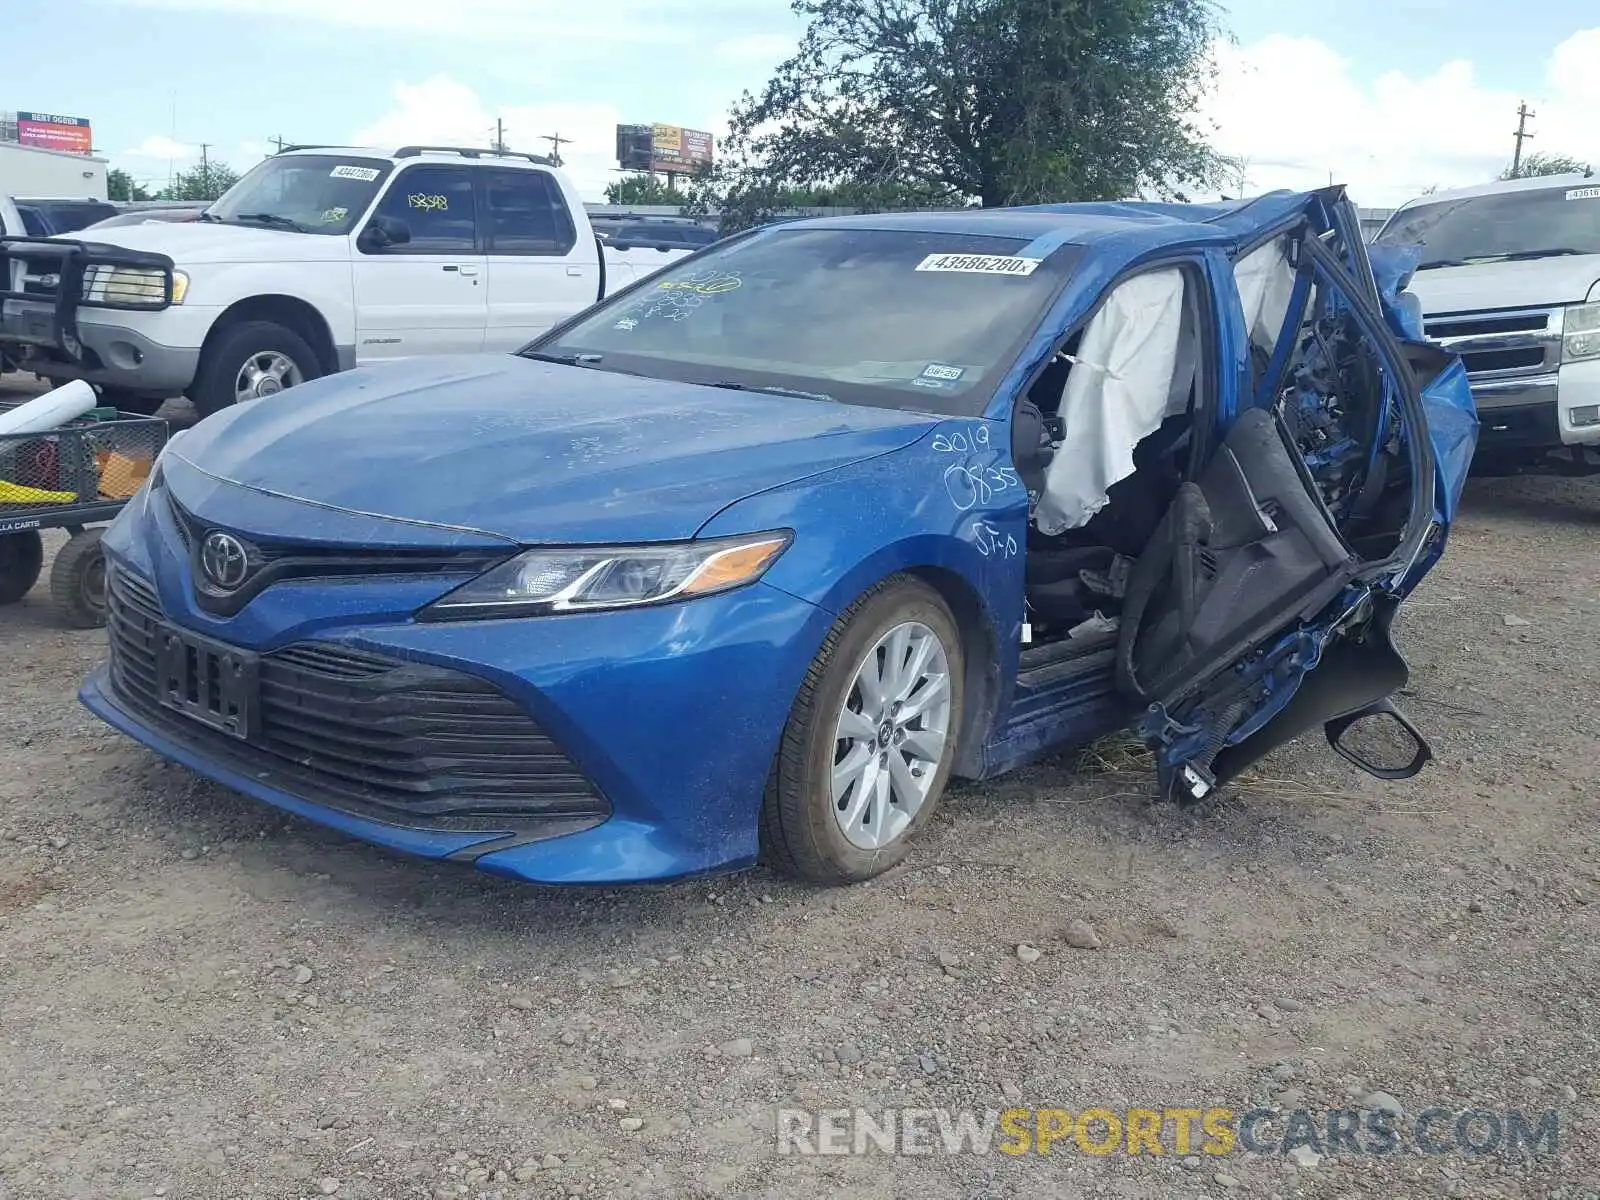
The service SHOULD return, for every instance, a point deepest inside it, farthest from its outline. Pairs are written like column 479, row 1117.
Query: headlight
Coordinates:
column 582, row 578
column 1582, row 332
column 134, row 287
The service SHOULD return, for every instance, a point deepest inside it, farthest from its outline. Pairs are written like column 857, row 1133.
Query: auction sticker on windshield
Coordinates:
column 980, row 264
column 365, row 174
column 1588, row 193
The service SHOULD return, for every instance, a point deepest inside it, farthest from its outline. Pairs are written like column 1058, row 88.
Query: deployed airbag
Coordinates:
column 1124, row 381
column 1266, row 283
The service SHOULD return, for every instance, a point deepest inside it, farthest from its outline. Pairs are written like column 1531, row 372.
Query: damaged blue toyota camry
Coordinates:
column 747, row 562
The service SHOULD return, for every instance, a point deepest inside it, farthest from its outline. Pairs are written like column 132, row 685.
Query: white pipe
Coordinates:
column 51, row 410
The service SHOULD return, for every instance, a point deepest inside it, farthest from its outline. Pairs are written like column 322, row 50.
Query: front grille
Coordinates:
column 1529, row 322
column 400, row 742
column 1502, row 360
column 275, row 561
column 1502, row 345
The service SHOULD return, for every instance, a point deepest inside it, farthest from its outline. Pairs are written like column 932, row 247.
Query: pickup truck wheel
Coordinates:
column 870, row 739
column 249, row 361
column 21, row 560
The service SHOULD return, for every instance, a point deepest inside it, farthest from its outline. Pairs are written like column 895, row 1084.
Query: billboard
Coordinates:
column 49, row 131
column 667, row 149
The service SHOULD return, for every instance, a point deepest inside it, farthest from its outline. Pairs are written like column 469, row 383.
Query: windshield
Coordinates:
column 307, row 193
column 925, row 321
column 1511, row 225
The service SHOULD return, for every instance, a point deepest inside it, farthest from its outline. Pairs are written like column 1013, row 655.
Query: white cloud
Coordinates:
column 761, row 47
column 163, row 149
column 1294, row 110
column 445, row 111
column 545, row 22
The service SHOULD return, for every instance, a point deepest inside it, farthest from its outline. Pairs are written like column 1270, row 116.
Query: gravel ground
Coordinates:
column 202, row 998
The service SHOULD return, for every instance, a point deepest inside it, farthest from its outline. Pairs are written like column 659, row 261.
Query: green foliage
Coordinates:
column 642, row 189
column 1540, row 163
column 918, row 102
column 120, row 186
column 204, row 182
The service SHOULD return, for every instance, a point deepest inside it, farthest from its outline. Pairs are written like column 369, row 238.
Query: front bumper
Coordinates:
column 114, row 352
column 672, row 713
column 1561, row 408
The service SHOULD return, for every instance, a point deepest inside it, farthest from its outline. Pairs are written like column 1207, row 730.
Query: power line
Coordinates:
column 556, row 142
column 1523, row 113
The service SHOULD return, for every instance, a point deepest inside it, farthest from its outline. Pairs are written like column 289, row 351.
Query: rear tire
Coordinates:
column 78, row 581
column 808, row 828
column 21, row 560
column 228, row 359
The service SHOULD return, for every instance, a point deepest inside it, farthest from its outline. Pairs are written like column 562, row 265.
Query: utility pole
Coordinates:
column 277, row 144
column 499, row 144
column 1523, row 113
column 556, row 142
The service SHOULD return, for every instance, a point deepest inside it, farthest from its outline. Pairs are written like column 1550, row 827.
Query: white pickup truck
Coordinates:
column 320, row 259
column 1509, row 279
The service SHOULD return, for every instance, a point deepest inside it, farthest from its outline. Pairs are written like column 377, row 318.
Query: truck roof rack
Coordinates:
column 310, row 146
column 471, row 152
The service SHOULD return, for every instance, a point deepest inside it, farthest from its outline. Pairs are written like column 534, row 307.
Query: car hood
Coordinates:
column 1524, row 284
column 533, row 452
column 188, row 242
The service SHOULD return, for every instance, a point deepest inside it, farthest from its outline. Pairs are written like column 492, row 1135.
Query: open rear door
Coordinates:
column 1250, row 582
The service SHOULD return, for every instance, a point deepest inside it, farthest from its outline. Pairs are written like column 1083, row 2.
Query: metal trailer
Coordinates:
column 77, row 478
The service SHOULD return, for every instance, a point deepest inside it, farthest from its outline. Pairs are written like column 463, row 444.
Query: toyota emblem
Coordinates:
column 224, row 560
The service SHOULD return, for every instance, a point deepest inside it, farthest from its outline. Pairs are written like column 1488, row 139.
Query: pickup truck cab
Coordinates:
column 319, row 259
column 1509, row 279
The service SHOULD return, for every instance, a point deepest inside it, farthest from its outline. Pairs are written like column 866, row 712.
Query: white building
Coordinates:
column 31, row 171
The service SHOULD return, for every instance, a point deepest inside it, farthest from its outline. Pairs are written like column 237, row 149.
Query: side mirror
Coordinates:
column 382, row 232
column 1380, row 740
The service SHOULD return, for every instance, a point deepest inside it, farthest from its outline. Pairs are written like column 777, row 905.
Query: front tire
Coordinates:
column 251, row 360
column 867, row 749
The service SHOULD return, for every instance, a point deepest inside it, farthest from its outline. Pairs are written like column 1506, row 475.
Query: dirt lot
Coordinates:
column 202, row 998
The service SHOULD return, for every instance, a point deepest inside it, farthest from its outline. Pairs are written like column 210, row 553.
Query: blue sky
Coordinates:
column 1387, row 95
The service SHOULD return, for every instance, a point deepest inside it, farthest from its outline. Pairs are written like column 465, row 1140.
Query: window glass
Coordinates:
column 436, row 203
column 527, row 214
column 1541, row 223
column 303, row 193
column 906, row 319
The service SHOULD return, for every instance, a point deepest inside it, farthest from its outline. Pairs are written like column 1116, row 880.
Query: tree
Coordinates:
column 120, row 186
column 641, row 189
column 1542, row 163
column 206, row 181
column 995, row 101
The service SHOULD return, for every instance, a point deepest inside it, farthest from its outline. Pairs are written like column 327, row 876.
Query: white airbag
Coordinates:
column 1122, row 385
column 1266, row 283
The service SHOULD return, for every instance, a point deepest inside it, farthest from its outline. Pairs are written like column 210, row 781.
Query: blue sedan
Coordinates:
column 749, row 560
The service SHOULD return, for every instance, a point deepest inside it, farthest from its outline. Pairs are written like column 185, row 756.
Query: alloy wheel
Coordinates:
column 265, row 374
column 890, row 735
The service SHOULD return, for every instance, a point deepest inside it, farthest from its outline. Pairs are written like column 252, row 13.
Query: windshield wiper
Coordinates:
column 1440, row 262
column 1525, row 255
column 772, row 391
column 591, row 361
column 272, row 220
column 565, row 360
column 209, row 217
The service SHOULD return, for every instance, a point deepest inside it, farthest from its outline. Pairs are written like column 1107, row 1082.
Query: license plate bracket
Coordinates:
column 208, row 681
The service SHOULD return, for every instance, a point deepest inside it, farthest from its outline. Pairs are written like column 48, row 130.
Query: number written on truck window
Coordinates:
column 437, row 204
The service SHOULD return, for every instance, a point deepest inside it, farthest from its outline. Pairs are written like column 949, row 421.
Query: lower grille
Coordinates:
column 400, row 742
